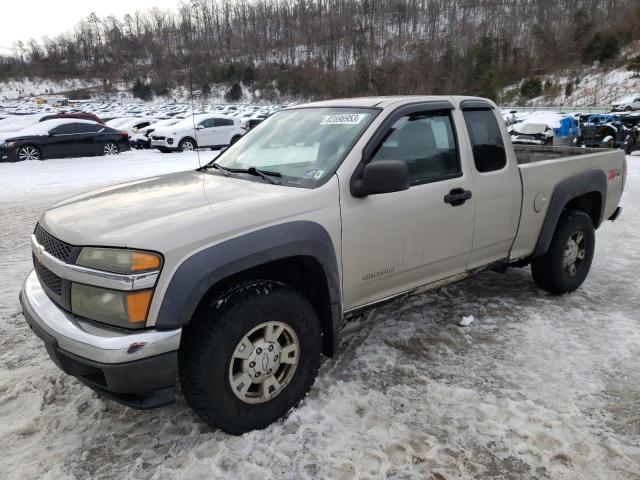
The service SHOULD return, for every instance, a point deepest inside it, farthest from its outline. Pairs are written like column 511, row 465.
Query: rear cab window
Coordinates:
column 489, row 154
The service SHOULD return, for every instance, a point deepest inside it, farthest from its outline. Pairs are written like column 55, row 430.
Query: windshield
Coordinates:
column 303, row 145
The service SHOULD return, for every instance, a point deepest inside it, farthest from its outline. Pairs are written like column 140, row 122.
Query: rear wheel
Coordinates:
column 110, row 148
column 567, row 262
column 187, row 145
column 28, row 152
column 250, row 356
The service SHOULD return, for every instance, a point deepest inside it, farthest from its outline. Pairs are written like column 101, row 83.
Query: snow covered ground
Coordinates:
column 536, row 387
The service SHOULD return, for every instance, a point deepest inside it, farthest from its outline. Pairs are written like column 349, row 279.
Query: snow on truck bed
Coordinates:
column 536, row 387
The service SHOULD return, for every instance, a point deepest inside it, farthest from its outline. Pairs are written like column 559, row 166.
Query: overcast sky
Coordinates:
column 23, row 19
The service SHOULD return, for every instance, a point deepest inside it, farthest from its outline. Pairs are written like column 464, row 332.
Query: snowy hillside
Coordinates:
column 28, row 87
column 592, row 86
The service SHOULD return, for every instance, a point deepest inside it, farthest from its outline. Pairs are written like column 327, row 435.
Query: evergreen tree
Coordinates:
column 235, row 93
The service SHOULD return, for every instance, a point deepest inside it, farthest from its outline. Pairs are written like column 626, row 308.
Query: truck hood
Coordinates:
column 161, row 212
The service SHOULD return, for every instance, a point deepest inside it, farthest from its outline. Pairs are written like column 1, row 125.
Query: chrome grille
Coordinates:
column 47, row 277
column 53, row 246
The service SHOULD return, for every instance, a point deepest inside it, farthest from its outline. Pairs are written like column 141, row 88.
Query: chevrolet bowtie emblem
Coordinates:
column 39, row 253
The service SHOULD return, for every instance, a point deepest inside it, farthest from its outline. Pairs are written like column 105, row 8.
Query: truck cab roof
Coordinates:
column 388, row 101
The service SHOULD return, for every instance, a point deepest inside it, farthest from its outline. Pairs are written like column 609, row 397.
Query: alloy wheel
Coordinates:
column 574, row 253
column 28, row 153
column 111, row 149
column 264, row 362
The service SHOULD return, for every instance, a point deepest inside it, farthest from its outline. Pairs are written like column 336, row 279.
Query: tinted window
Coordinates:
column 64, row 129
column 426, row 142
column 208, row 123
column 223, row 122
column 85, row 128
column 486, row 140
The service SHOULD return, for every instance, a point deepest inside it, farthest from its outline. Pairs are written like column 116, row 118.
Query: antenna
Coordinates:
column 193, row 120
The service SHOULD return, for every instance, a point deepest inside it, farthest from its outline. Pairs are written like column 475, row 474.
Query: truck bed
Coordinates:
column 536, row 153
column 543, row 167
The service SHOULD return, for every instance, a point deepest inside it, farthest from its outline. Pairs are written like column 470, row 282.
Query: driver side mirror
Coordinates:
column 199, row 127
column 383, row 176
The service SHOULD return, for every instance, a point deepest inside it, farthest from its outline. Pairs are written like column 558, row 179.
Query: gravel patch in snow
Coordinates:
column 540, row 387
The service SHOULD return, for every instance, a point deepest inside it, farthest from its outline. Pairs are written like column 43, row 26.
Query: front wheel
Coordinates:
column 28, row 152
column 250, row 356
column 235, row 139
column 187, row 145
column 567, row 262
column 110, row 148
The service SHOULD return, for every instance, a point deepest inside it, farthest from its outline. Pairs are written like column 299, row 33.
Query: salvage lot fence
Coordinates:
column 567, row 109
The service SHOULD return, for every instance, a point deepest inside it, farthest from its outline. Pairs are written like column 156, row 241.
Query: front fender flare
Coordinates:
column 204, row 269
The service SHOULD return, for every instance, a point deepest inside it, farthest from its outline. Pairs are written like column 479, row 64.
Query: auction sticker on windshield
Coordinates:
column 343, row 119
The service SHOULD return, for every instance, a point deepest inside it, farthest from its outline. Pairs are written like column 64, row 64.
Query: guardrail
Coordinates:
column 565, row 109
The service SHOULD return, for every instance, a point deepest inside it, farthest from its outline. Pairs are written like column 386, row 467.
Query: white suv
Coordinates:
column 204, row 130
column 626, row 104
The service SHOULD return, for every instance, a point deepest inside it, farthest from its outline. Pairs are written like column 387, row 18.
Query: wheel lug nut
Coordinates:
column 252, row 364
column 257, row 374
column 269, row 371
column 275, row 358
column 270, row 348
column 258, row 351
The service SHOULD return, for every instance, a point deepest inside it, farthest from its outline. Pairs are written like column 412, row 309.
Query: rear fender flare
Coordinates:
column 564, row 192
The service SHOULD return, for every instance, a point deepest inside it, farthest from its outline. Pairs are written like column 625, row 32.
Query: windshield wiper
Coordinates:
column 265, row 174
column 224, row 170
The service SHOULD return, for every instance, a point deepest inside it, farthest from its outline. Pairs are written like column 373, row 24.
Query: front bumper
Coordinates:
column 137, row 369
column 8, row 155
column 164, row 143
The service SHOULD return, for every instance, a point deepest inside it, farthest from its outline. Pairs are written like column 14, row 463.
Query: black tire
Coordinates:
column 28, row 152
column 549, row 271
column 629, row 146
column 164, row 150
column 627, row 109
column 208, row 344
column 183, row 146
column 235, row 139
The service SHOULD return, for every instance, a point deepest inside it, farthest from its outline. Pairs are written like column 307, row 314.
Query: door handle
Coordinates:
column 457, row 196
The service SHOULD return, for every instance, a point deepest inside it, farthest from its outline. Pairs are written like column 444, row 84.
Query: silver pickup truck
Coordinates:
column 236, row 278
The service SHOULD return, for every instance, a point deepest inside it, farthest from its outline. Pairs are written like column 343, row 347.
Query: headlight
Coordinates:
column 7, row 144
column 118, row 260
column 121, row 309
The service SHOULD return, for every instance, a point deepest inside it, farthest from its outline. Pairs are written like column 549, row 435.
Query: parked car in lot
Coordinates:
column 142, row 138
column 15, row 123
column 76, row 115
column 133, row 125
column 63, row 138
column 545, row 129
column 198, row 131
column 626, row 104
column 607, row 131
column 238, row 276
column 116, row 122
